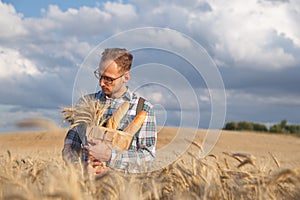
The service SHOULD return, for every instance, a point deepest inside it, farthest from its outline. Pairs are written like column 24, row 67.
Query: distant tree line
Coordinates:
column 281, row 127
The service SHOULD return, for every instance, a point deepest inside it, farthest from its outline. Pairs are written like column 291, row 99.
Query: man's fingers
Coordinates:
column 102, row 171
column 94, row 142
column 97, row 163
column 91, row 142
column 86, row 148
column 100, row 151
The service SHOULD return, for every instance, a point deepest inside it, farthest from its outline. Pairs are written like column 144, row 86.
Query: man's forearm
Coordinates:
column 69, row 154
column 72, row 146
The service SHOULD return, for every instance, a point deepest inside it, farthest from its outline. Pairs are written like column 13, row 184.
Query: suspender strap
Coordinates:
column 140, row 105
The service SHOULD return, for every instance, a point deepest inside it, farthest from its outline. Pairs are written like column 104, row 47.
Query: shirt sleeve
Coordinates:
column 72, row 146
column 72, row 149
column 142, row 149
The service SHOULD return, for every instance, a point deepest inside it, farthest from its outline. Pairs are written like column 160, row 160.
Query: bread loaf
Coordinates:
column 118, row 139
column 136, row 124
column 114, row 121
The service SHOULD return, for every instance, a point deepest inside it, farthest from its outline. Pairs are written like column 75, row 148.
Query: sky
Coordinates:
column 251, row 48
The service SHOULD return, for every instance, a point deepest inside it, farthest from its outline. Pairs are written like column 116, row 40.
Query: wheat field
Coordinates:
column 242, row 165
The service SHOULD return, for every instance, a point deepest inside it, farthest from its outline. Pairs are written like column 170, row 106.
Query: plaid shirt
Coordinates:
column 142, row 149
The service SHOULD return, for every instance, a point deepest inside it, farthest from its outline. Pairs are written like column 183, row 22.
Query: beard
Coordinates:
column 106, row 91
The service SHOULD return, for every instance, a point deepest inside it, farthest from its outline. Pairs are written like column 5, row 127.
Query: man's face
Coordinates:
column 113, row 81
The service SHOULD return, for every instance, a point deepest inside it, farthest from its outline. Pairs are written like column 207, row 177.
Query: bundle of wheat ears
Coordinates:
column 90, row 113
column 87, row 111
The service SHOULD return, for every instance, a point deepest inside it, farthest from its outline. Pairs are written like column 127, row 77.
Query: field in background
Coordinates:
column 243, row 165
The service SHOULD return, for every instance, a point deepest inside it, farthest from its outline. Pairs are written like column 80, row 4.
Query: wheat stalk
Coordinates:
column 87, row 111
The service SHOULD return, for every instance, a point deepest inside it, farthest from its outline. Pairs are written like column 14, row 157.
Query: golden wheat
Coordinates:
column 87, row 111
column 28, row 178
column 231, row 175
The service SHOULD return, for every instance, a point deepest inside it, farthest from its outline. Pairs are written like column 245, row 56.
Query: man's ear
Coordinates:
column 127, row 77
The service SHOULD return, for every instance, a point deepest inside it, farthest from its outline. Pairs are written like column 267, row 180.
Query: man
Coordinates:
column 113, row 74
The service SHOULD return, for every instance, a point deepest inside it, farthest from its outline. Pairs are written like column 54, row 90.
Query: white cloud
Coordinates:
column 13, row 64
column 244, row 97
column 157, row 97
column 10, row 22
column 241, row 34
column 84, row 21
column 120, row 10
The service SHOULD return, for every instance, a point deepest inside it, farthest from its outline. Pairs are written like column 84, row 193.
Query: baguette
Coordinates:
column 114, row 121
column 136, row 124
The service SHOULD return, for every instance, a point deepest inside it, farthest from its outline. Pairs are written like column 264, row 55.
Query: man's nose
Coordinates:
column 101, row 82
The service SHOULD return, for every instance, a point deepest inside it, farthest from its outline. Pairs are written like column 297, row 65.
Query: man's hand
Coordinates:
column 98, row 168
column 98, row 150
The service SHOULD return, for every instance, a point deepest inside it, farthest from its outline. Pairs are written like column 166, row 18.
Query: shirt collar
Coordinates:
column 126, row 96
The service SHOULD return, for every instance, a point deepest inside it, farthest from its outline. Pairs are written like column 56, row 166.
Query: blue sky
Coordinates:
column 255, row 46
column 32, row 8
